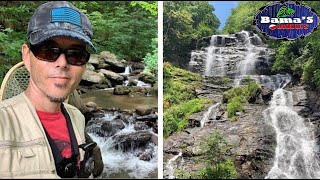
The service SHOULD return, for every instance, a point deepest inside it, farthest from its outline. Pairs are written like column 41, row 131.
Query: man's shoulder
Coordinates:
column 72, row 108
column 12, row 101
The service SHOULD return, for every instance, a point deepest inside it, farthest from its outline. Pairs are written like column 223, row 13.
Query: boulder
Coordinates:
column 115, row 64
column 121, row 90
column 93, row 77
column 143, row 110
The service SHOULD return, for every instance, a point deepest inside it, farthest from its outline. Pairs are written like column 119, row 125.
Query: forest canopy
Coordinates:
column 127, row 29
column 184, row 22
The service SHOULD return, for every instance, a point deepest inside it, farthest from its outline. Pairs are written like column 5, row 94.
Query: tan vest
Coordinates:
column 24, row 149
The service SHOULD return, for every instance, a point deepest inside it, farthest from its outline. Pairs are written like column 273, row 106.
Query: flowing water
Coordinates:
column 127, row 70
column 119, row 164
column 295, row 154
column 214, row 58
column 244, row 55
column 171, row 165
column 210, row 114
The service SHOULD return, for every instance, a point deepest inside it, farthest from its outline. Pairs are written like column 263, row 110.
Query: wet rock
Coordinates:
column 140, row 126
column 132, row 82
column 133, row 140
column 111, row 127
column 137, row 66
column 147, row 78
column 92, row 105
column 150, row 117
column 115, row 78
column 143, row 110
column 121, row 90
column 112, row 60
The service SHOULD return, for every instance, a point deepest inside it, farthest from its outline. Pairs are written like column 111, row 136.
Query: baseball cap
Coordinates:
column 59, row 18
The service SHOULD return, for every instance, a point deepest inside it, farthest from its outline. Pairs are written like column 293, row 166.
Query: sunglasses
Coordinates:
column 49, row 52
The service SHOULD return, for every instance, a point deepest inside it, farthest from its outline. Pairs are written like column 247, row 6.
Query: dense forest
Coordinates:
column 126, row 29
column 184, row 22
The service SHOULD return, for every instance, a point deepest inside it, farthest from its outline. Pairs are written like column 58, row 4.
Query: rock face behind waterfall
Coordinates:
column 231, row 49
column 252, row 138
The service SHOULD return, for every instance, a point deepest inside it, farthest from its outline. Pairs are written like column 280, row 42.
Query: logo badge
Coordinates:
column 289, row 20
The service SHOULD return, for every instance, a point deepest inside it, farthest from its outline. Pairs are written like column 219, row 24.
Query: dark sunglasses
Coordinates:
column 47, row 51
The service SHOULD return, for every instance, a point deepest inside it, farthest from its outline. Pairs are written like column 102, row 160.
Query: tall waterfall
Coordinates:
column 214, row 59
column 295, row 155
column 244, row 54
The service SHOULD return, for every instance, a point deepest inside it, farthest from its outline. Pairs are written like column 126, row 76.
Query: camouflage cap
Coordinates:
column 59, row 18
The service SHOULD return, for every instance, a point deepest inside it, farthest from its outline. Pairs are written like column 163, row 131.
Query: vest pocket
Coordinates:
column 25, row 158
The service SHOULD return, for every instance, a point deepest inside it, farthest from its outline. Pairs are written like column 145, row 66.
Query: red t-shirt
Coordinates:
column 56, row 126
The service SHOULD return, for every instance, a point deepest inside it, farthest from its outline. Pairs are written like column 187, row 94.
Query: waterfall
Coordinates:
column 127, row 70
column 214, row 61
column 171, row 167
column 211, row 113
column 247, row 66
column 295, row 153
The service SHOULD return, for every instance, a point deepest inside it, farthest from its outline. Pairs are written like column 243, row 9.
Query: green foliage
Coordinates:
column 180, row 99
column 223, row 170
column 179, row 85
column 239, row 95
column 242, row 16
column 184, row 22
column 214, row 147
column 151, row 59
column 247, row 91
column 152, row 7
column 235, row 105
column 176, row 117
column 123, row 28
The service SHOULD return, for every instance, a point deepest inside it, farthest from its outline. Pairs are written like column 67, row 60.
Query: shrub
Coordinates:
column 239, row 95
column 214, row 147
column 176, row 117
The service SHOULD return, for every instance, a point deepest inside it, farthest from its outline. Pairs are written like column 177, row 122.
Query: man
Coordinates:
column 39, row 134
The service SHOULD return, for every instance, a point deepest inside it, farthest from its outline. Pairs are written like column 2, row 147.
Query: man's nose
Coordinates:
column 62, row 61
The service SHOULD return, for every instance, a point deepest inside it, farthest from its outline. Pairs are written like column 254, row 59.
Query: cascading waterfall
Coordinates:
column 127, row 70
column 295, row 155
column 214, row 61
column 245, row 55
column 171, row 167
column 211, row 113
column 247, row 66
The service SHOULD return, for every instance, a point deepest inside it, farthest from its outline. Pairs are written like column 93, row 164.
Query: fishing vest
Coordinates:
column 25, row 150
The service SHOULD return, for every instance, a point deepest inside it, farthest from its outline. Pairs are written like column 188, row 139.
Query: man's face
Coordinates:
column 55, row 80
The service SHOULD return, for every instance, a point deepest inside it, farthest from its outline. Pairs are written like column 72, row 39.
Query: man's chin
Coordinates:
column 56, row 99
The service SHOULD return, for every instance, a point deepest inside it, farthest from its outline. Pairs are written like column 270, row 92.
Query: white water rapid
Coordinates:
column 295, row 155
column 119, row 164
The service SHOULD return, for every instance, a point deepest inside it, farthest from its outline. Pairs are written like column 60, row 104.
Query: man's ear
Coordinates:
column 25, row 51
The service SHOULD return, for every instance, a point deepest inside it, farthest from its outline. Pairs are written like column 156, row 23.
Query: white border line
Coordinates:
column 160, row 89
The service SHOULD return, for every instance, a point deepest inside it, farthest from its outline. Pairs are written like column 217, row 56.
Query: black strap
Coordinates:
column 74, row 143
column 61, row 162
